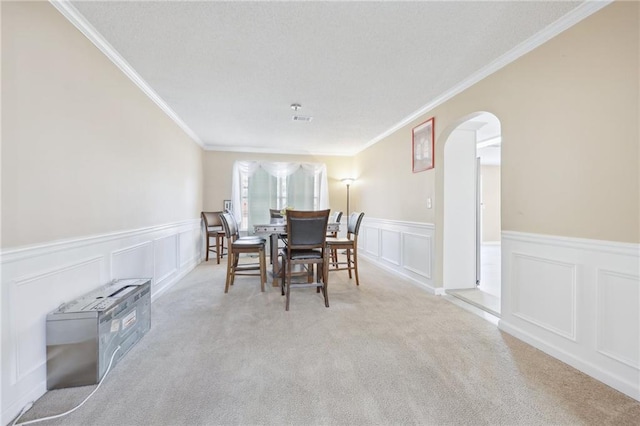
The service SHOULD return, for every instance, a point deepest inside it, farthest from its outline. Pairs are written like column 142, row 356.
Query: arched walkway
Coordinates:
column 471, row 236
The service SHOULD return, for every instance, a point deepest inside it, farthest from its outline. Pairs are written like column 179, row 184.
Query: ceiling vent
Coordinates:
column 301, row 118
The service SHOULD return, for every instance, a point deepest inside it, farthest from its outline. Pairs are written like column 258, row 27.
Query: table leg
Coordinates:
column 275, row 267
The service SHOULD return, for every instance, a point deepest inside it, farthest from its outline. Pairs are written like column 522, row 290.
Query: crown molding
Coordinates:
column 75, row 17
column 262, row 150
column 587, row 8
column 584, row 10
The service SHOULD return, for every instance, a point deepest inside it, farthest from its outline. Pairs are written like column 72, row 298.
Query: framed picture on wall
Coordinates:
column 422, row 139
column 227, row 205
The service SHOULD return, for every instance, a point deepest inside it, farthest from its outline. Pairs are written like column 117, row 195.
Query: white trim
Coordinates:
column 580, row 363
column 76, row 18
column 22, row 253
column 576, row 15
column 396, row 272
column 613, row 247
column 370, row 221
column 599, row 314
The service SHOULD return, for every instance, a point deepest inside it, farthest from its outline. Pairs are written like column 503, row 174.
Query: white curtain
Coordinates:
column 261, row 178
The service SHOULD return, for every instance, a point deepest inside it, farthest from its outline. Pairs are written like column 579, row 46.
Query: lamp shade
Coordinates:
column 347, row 181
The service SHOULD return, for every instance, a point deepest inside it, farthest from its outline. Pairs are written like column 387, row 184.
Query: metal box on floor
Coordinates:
column 83, row 334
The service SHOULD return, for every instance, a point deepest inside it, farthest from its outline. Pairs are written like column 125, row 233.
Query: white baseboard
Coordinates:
column 619, row 383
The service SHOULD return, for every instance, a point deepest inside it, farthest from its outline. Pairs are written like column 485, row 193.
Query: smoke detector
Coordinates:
column 297, row 117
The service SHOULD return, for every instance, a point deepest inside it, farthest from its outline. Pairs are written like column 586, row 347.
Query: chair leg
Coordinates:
column 218, row 249
column 355, row 264
column 206, row 259
column 286, row 308
column 229, row 270
column 236, row 260
column 325, row 286
column 282, row 276
column 349, row 262
column 263, row 269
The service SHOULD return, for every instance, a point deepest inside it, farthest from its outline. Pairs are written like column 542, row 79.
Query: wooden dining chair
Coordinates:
column 213, row 229
column 238, row 245
column 307, row 233
column 350, row 244
column 335, row 217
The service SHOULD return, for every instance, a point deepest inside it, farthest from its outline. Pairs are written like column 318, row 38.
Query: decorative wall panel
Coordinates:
column 133, row 262
column 417, row 254
column 390, row 246
column 544, row 293
column 165, row 257
column 404, row 248
column 618, row 317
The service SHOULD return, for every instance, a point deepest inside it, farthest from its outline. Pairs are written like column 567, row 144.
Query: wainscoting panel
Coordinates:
column 134, row 261
column 390, row 246
column 534, row 279
column 417, row 254
column 191, row 247
column 404, row 248
column 371, row 240
column 618, row 317
column 165, row 258
column 37, row 279
column 578, row 300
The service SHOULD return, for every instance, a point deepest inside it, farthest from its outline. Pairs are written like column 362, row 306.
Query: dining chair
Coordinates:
column 213, row 227
column 335, row 217
column 307, row 233
column 350, row 244
column 238, row 245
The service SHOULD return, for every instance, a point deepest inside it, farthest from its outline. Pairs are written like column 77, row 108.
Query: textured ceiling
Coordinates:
column 230, row 70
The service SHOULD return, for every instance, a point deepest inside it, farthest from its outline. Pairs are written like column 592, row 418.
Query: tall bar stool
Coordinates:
column 307, row 232
column 213, row 226
column 350, row 244
column 237, row 245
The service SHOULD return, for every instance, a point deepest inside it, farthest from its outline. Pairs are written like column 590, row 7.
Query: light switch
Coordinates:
column 429, row 202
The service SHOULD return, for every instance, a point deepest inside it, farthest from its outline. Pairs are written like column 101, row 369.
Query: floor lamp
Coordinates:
column 348, row 182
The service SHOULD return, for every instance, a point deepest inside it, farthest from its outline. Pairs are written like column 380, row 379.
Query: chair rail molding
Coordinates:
column 577, row 300
column 38, row 278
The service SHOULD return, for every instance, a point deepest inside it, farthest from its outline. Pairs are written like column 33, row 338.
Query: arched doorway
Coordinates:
column 471, row 236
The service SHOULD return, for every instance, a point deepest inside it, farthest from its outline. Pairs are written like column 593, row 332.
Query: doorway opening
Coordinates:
column 472, row 227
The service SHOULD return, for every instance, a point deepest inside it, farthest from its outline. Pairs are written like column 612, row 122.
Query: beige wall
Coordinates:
column 569, row 113
column 218, row 167
column 490, row 178
column 84, row 151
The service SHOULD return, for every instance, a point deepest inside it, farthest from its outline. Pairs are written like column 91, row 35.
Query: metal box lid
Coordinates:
column 103, row 298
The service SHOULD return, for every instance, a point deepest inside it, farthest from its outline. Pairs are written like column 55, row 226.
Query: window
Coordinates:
column 260, row 186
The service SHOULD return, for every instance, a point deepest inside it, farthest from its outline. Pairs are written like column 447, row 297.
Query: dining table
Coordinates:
column 275, row 228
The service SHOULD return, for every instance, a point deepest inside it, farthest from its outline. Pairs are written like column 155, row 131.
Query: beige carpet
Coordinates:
column 386, row 353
